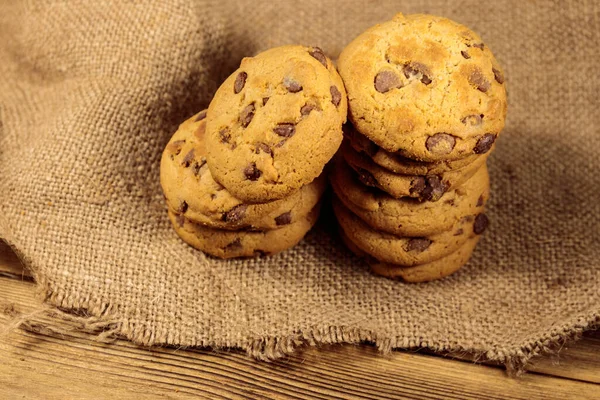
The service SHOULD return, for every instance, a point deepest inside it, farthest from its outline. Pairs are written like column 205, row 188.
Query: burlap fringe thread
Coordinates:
column 57, row 318
column 60, row 321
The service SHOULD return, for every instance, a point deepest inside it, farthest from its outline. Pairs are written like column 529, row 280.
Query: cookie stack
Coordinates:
column 244, row 178
column 427, row 102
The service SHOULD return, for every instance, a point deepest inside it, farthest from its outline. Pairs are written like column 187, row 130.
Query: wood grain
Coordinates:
column 10, row 266
column 75, row 365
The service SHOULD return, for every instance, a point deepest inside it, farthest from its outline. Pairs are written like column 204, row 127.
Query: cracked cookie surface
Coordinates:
column 233, row 244
column 424, row 86
column 275, row 122
column 409, row 217
column 189, row 188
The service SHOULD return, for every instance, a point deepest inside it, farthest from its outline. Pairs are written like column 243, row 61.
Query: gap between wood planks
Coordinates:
column 328, row 372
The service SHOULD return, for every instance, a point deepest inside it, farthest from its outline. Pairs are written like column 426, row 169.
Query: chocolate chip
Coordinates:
column 175, row 146
column 284, row 219
column 265, row 99
column 201, row 115
column 440, row 143
column 251, row 172
column 481, row 223
column 265, row 148
column 473, row 120
column 247, row 115
column 224, row 135
column 187, row 160
column 434, row 188
column 199, row 132
column 180, row 219
column 484, row 144
column 182, row 207
column 197, row 166
column 306, row 109
column 317, row 53
column 235, row 245
column 498, row 75
column 409, row 71
column 414, row 68
column 260, row 253
column 479, row 45
column 417, row 185
column 418, row 245
column 285, row 129
column 366, row 177
column 465, row 54
column 336, row 96
column 236, row 214
column 291, row 85
column 281, row 143
column 386, row 81
column 459, row 232
column 240, row 82
column 477, row 79
column 480, row 201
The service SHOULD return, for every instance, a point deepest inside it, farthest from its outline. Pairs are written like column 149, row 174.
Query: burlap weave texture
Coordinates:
column 90, row 93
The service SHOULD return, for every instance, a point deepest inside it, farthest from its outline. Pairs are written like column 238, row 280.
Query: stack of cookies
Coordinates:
column 427, row 102
column 244, row 178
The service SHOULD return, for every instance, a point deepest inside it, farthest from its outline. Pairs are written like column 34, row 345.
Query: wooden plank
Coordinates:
column 41, row 365
column 576, row 360
column 10, row 265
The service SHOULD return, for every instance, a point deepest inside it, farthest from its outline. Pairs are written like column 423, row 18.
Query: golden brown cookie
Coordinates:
column 399, row 164
column 275, row 122
column 406, row 216
column 434, row 270
column 231, row 244
column 429, row 188
column 425, row 85
column 407, row 251
column 190, row 189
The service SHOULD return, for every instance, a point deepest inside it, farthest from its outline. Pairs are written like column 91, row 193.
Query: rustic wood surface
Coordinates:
column 39, row 364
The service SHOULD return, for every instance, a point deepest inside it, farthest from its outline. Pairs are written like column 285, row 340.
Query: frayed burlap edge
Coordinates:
column 57, row 316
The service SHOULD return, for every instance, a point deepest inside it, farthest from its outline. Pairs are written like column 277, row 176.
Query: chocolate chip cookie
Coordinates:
column 399, row 164
column 406, row 216
column 275, row 122
column 429, row 188
column 190, row 190
column 232, row 244
column 419, row 273
column 424, row 86
column 407, row 251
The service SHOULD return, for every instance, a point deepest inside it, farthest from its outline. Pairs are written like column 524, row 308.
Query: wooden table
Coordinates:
column 38, row 363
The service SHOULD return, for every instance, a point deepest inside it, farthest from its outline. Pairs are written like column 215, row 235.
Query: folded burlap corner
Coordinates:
column 90, row 93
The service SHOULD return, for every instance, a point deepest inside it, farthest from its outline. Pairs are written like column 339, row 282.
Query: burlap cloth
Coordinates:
column 90, row 92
